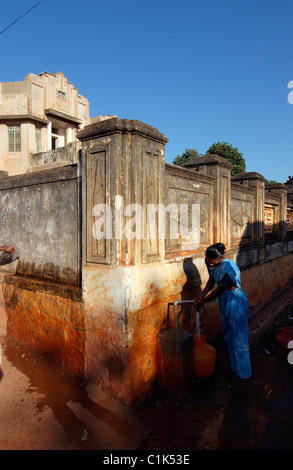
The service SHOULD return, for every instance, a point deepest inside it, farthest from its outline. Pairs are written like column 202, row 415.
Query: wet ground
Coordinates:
column 44, row 407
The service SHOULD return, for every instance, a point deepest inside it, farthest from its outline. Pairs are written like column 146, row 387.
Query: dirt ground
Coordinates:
column 44, row 407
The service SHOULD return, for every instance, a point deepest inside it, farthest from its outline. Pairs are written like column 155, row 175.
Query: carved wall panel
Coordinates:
column 98, row 221
column 242, row 217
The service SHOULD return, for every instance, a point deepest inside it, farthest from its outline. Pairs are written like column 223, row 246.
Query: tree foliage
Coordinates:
column 181, row 160
column 223, row 149
column 232, row 154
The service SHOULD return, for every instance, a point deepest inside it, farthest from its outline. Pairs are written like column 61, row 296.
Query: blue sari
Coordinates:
column 234, row 310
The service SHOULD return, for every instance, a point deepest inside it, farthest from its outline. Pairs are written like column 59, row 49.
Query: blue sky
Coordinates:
column 199, row 71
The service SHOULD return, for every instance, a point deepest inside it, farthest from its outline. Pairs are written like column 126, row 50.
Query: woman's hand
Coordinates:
column 9, row 250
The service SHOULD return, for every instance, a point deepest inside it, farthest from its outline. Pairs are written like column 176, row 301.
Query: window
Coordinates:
column 54, row 143
column 54, row 138
column 14, row 140
column 61, row 94
column 38, row 139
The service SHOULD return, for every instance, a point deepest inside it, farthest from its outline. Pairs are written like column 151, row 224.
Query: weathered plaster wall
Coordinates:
column 261, row 281
column 125, row 309
column 40, row 213
column 96, row 305
column 48, row 317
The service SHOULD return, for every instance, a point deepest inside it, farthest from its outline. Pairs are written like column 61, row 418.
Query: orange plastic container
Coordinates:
column 204, row 357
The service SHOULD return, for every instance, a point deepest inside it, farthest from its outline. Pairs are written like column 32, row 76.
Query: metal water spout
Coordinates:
column 178, row 302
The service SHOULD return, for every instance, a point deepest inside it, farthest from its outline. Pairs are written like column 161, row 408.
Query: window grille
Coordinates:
column 38, row 139
column 14, row 138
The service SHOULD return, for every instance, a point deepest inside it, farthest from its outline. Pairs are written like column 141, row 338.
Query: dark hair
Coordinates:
column 215, row 251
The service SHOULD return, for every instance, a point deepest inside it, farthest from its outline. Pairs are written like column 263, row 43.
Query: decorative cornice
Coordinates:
column 208, row 160
column 22, row 117
column 277, row 186
column 182, row 172
column 123, row 126
column 248, row 176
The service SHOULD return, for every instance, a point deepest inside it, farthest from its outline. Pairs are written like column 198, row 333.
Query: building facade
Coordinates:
column 40, row 114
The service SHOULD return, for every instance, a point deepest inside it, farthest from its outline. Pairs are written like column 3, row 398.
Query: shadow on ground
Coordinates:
column 46, row 407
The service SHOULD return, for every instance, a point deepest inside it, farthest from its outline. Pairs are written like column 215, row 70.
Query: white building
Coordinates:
column 40, row 114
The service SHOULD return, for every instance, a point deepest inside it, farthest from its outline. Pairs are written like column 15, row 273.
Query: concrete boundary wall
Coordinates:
column 97, row 304
column 40, row 212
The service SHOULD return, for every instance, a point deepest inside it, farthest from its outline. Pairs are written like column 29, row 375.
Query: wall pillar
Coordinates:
column 220, row 169
column 49, row 135
column 123, row 166
column 69, row 135
column 122, row 172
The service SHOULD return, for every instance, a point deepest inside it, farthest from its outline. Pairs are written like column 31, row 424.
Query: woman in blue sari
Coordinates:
column 224, row 283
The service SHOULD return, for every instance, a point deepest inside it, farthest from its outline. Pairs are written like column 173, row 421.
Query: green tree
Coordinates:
column 223, row 149
column 180, row 160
